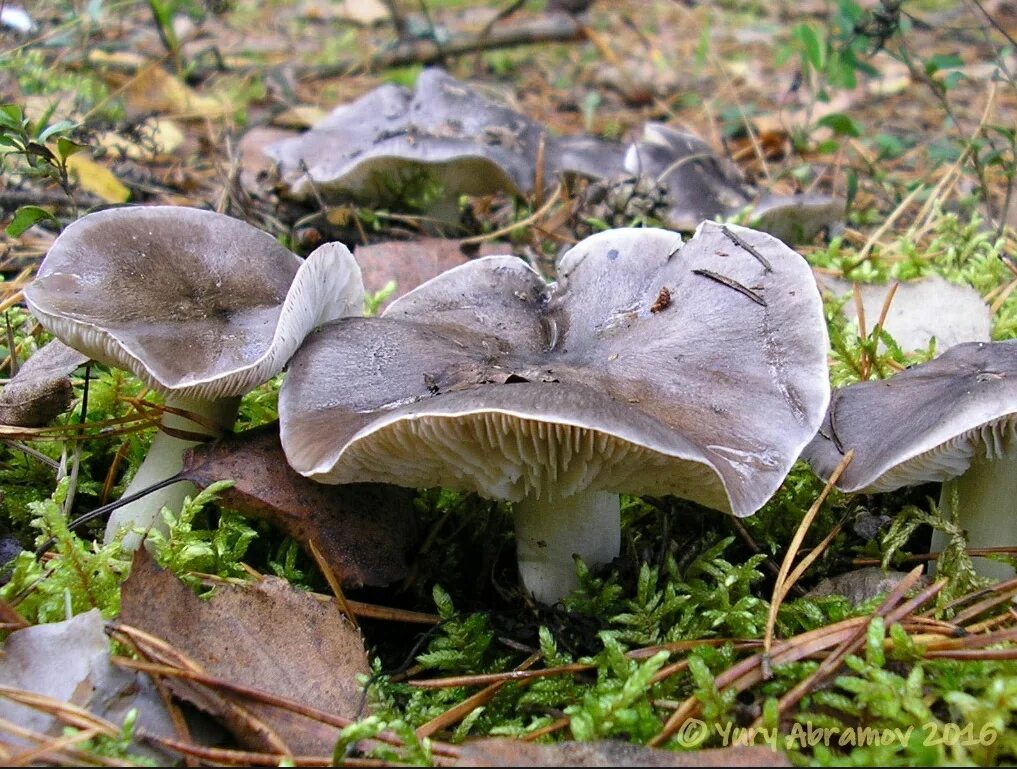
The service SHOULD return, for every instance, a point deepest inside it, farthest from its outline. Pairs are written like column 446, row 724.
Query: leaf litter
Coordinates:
column 266, row 636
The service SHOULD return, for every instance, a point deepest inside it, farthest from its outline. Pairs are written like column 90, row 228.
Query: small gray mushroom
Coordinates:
column 631, row 374
column 931, row 307
column 950, row 420
column 199, row 306
column 389, row 142
column 702, row 185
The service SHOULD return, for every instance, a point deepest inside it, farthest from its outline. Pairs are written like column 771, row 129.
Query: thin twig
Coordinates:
column 546, row 30
column 783, row 584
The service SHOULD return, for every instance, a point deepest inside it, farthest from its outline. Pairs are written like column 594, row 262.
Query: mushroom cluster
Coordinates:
column 199, row 306
column 651, row 366
column 395, row 144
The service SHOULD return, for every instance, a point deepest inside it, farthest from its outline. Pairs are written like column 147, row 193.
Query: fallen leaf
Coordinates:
column 148, row 88
column 42, row 387
column 97, row 179
column 69, row 661
column 412, row 262
column 508, row 752
column 299, row 116
column 363, row 12
column 266, row 635
column 362, row 531
column 158, row 139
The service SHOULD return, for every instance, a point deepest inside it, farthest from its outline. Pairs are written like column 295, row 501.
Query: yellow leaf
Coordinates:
column 156, row 90
column 159, row 138
column 148, row 88
column 97, row 179
column 300, row 116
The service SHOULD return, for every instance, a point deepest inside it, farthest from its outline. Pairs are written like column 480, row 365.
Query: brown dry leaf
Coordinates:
column 42, row 387
column 412, row 262
column 507, row 752
column 363, row 531
column 267, row 636
column 97, row 179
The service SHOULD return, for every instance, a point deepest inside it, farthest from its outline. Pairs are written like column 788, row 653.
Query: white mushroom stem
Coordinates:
column 986, row 496
column 164, row 460
column 549, row 531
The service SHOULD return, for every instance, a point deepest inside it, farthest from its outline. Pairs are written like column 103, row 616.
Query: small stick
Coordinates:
column 12, row 346
column 731, row 283
column 746, row 247
column 333, row 583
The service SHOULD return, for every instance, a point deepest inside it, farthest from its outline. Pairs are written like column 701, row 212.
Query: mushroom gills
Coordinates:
column 985, row 498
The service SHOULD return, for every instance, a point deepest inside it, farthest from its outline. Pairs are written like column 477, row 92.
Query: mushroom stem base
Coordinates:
column 550, row 531
column 985, row 496
column 164, row 460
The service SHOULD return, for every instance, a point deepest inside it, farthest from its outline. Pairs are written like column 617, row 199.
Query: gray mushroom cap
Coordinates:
column 195, row 304
column 923, row 309
column 650, row 367
column 588, row 156
column 364, row 150
column 923, row 425
column 700, row 184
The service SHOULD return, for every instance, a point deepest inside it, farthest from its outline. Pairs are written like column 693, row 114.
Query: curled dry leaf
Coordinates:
column 506, row 752
column 267, row 636
column 363, row 531
column 69, row 661
column 41, row 389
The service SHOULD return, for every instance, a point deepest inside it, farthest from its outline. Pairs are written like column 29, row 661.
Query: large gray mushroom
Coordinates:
column 952, row 420
column 651, row 367
column 199, row 306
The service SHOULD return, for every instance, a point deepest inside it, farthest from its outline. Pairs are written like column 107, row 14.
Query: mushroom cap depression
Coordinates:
column 924, row 424
column 651, row 367
column 195, row 304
